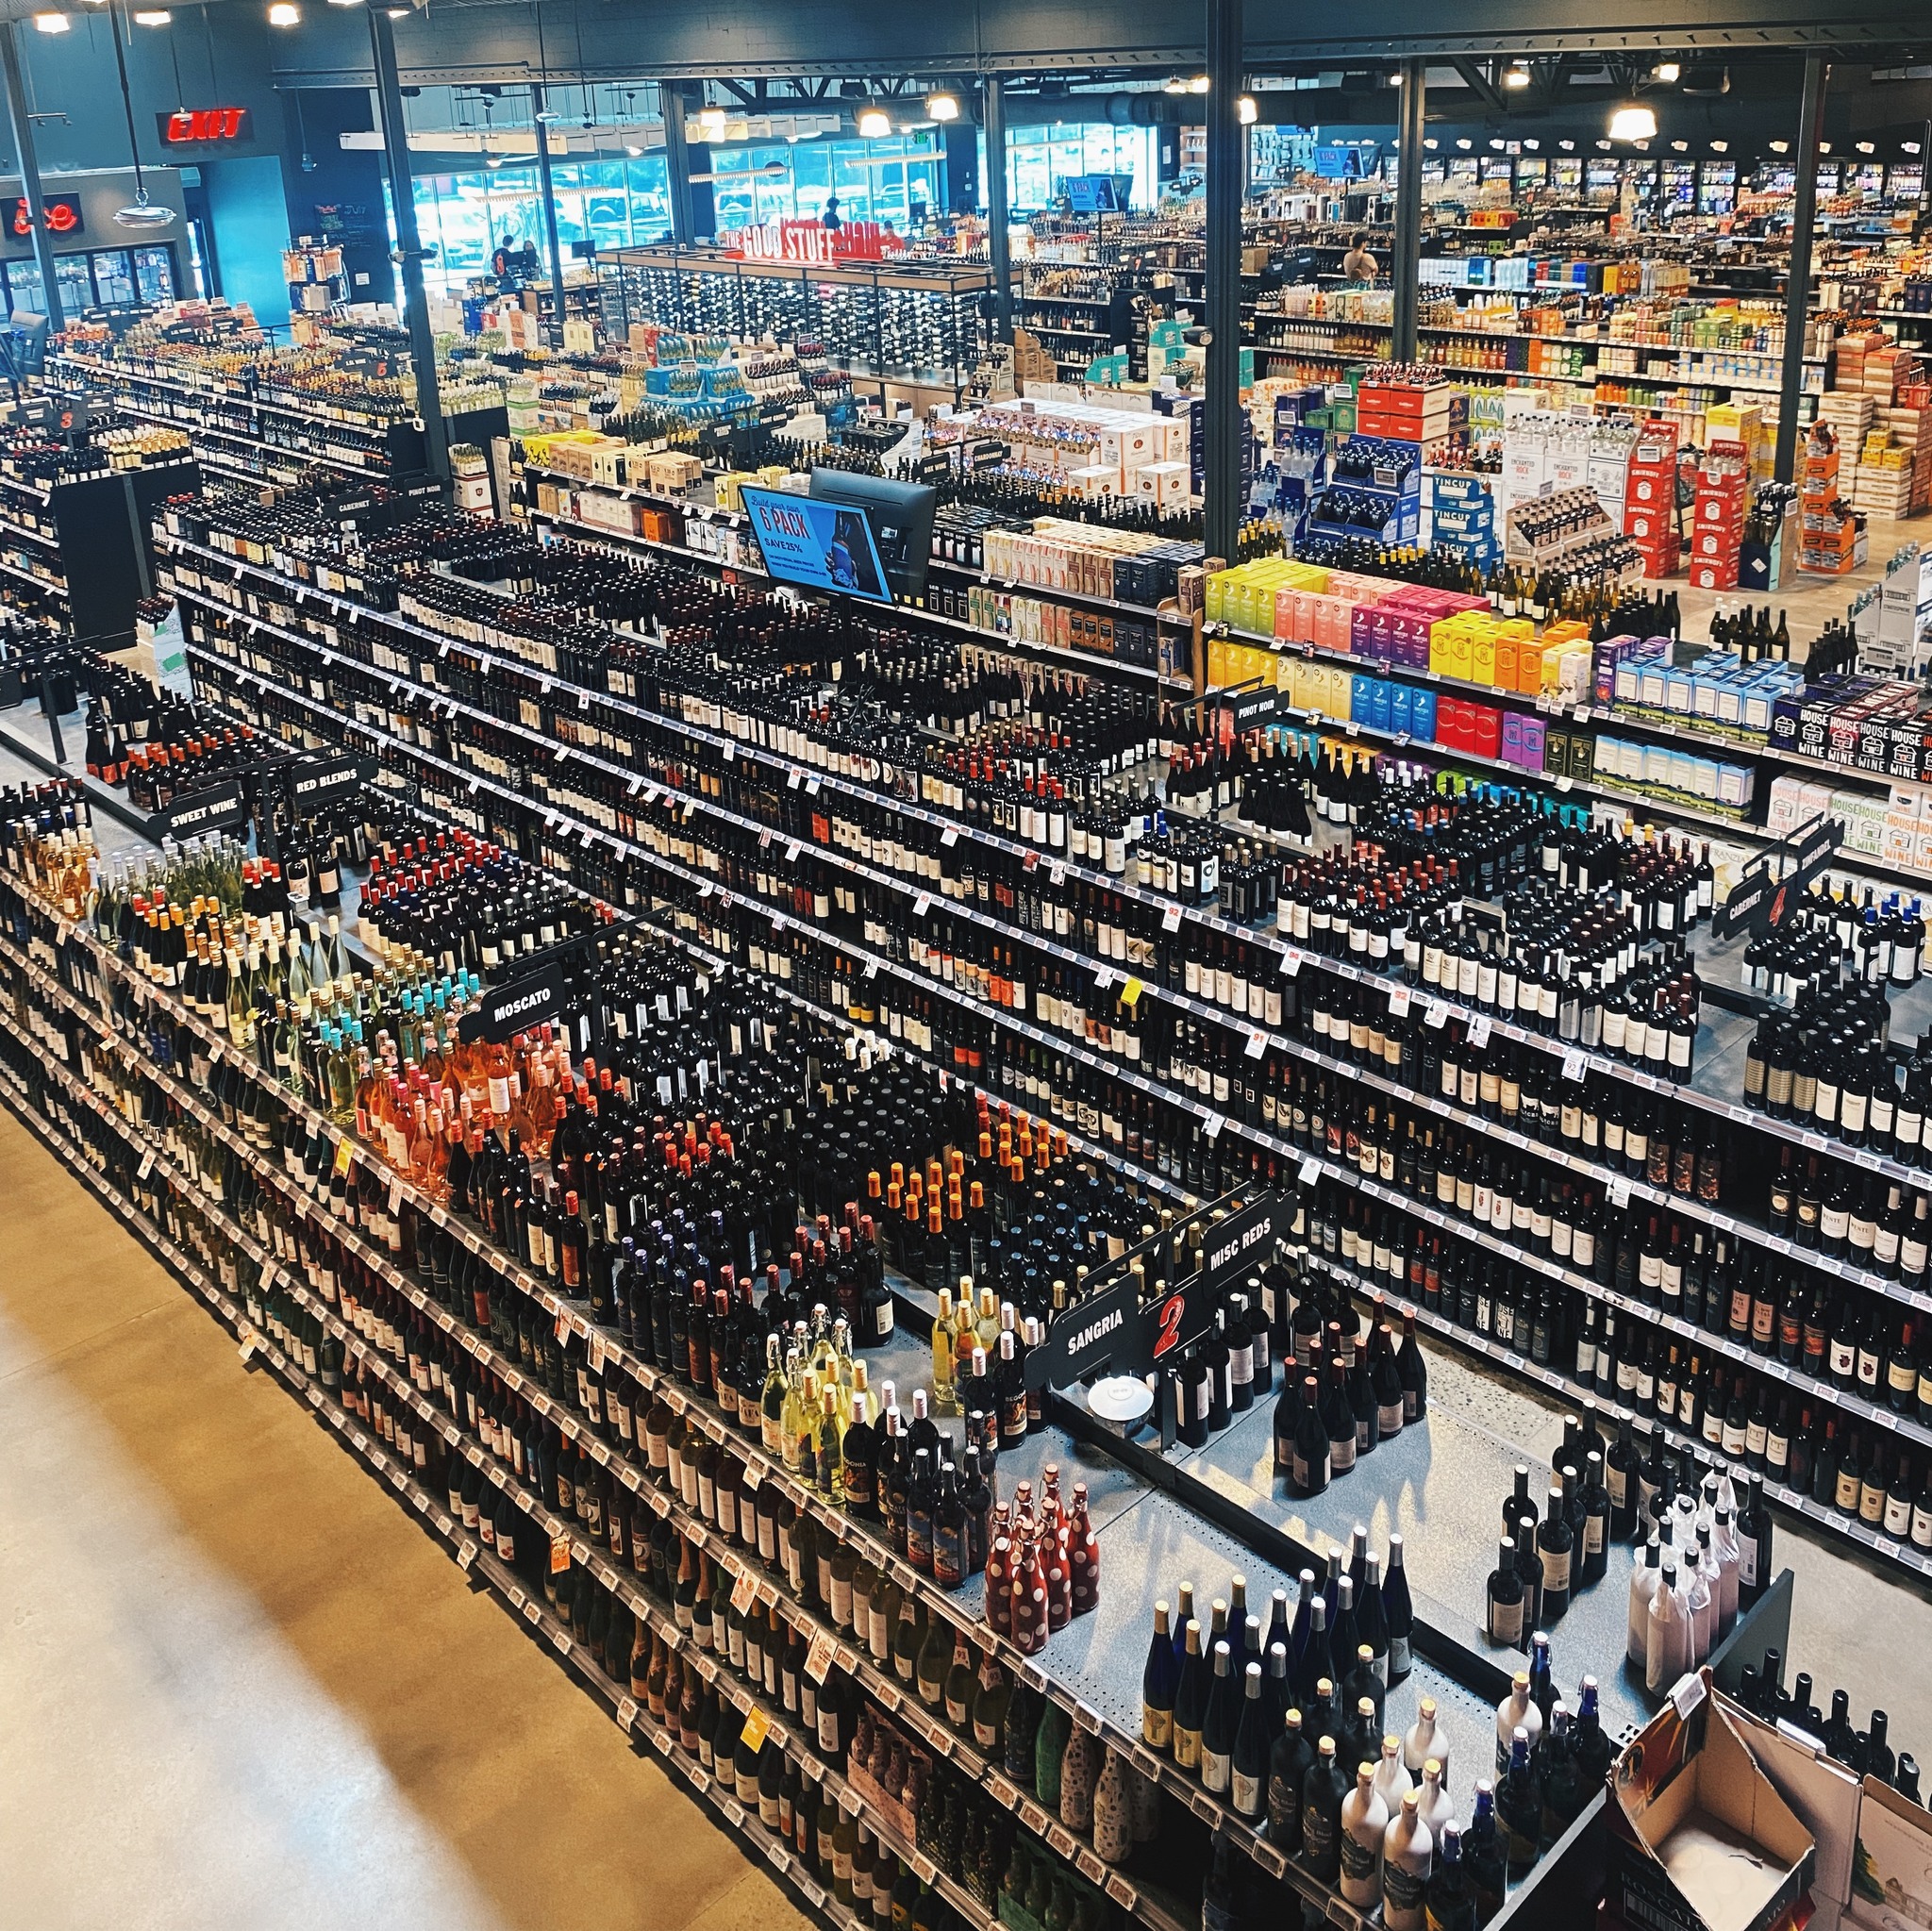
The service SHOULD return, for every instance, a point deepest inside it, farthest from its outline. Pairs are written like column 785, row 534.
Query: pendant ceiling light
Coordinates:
column 141, row 214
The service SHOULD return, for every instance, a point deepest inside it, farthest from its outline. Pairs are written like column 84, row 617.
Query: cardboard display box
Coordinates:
column 1699, row 1838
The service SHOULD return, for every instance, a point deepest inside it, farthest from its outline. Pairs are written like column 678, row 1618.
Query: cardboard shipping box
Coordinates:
column 1700, row 1839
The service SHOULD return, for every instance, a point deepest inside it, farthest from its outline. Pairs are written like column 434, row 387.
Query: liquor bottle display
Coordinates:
column 674, row 1112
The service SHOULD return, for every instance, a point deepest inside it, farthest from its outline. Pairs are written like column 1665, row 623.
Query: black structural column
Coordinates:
column 1798, row 282
column 676, row 160
column 999, row 243
column 1221, row 465
column 1406, row 258
column 402, row 189
column 547, row 196
column 30, row 172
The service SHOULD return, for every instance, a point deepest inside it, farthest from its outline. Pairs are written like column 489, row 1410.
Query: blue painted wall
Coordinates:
column 251, row 224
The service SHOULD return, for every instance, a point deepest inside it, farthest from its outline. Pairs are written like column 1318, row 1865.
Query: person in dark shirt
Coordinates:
column 830, row 220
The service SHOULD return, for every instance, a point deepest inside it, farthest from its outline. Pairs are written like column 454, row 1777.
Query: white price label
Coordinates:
column 1257, row 1044
column 1311, row 1170
column 1170, row 919
column 949, row 838
column 818, row 1659
column 1436, row 1016
column 1291, row 965
column 1210, row 1127
column 626, row 1712
column 466, row 1555
column 1573, row 1063
column 1398, row 1002
column 921, row 905
column 1620, row 1191
column 1479, row 1030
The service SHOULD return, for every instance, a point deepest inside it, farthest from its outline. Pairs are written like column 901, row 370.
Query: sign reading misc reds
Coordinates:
column 190, row 126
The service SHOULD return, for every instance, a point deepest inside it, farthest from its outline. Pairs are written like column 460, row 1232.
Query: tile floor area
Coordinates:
column 240, row 1688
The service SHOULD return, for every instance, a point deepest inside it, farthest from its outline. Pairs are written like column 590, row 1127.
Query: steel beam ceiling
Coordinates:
column 470, row 40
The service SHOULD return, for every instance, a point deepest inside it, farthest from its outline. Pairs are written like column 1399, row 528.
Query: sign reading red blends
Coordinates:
column 59, row 213
column 189, row 126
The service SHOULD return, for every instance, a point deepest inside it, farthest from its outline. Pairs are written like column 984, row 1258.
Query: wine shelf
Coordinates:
column 1107, row 973
column 1304, row 1163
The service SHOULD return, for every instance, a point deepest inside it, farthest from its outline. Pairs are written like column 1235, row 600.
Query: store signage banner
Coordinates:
column 220, row 807
column 512, row 1008
column 313, row 785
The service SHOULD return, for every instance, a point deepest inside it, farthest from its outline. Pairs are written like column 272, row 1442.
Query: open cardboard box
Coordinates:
column 1700, row 1839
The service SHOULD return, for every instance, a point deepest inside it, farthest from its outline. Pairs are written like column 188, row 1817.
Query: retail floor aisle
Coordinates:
column 240, row 1688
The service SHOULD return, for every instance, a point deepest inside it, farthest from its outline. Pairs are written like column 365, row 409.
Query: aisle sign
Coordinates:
column 216, row 808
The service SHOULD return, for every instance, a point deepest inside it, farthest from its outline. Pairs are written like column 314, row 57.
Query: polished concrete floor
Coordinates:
column 238, row 1688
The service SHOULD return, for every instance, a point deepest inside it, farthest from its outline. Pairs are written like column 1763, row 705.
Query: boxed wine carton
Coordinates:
column 1890, row 1878
column 1699, row 1838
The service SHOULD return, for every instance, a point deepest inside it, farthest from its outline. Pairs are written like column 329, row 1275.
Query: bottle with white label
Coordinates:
column 1433, row 1802
column 1364, row 1823
column 1644, row 1579
column 1392, row 1780
column 1503, row 1615
column 1667, row 1653
column 1424, row 1740
column 1555, row 1544
column 1516, row 1711
column 1407, row 1853
column 1248, row 1778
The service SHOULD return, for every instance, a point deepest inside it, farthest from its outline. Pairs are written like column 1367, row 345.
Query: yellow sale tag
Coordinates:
column 344, row 1154
column 754, row 1728
column 1130, row 992
column 559, row 1555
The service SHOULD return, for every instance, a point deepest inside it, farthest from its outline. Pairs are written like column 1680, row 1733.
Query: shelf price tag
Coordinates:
column 744, row 1592
column 1311, row 1170
column 466, row 1555
column 1170, row 919
column 757, row 1727
column 1291, row 965
column 626, row 1713
column 1257, row 1043
column 818, row 1659
column 921, row 905
column 1573, row 1063
column 1479, row 1030
column 1620, row 1191
column 1130, row 993
column 1210, row 1127
column 1438, row 1014
column 949, row 838
column 559, row 1555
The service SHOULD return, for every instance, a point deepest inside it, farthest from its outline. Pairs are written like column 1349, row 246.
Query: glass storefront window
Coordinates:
column 1038, row 160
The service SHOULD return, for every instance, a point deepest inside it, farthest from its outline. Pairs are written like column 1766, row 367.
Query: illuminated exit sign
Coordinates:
column 197, row 126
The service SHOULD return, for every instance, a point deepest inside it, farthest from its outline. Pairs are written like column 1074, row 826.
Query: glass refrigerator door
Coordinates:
column 24, row 290
column 75, row 284
column 113, row 277
column 154, row 274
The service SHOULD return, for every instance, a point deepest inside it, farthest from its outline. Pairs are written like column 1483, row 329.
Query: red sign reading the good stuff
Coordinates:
column 59, row 214
column 190, row 126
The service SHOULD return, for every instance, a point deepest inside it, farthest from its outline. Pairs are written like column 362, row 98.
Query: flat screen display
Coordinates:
column 817, row 546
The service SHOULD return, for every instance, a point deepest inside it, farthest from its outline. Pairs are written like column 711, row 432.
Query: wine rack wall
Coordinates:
column 748, row 830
